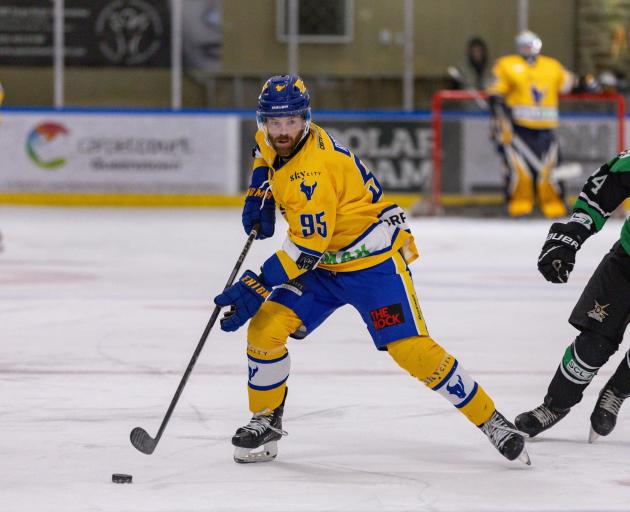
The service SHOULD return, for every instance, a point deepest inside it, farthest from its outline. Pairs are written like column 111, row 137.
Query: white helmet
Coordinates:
column 528, row 44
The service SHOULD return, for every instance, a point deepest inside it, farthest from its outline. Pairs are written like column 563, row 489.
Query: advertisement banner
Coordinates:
column 119, row 153
column 397, row 150
column 97, row 33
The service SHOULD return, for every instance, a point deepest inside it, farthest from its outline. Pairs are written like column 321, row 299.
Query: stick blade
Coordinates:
column 142, row 441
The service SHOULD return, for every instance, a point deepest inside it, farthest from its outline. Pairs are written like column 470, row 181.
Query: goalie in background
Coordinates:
column 524, row 108
column 601, row 314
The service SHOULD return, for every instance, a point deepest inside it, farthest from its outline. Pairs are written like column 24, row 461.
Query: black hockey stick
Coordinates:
column 139, row 437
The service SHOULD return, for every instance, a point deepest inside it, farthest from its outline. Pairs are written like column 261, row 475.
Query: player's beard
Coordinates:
column 284, row 145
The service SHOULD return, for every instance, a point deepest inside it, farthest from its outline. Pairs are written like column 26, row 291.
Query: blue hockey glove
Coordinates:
column 245, row 297
column 260, row 207
column 557, row 256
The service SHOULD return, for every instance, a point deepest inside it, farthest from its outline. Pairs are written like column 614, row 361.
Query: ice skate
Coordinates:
column 539, row 419
column 505, row 438
column 604, row 416
column 263, row 430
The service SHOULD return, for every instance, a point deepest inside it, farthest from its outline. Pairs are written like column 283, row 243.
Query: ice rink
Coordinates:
column 101, row 309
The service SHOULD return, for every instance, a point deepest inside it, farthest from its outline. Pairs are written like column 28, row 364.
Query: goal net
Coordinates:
column 467, row 172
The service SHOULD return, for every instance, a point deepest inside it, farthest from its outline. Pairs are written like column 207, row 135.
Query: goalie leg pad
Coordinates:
column 521, row 185
column 550, row 199
column 268, row 358
column 427, row 361
column 548, row 190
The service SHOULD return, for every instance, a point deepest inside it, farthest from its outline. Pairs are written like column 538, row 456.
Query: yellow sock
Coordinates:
column 427, row 361
column 267, row 356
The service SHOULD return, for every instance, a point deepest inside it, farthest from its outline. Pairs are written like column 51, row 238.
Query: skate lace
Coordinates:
column 261, row 421
column 545, row 415
column 497, row 431
column 611, row 402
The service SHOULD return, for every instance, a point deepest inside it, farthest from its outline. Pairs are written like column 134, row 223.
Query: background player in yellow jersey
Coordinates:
column 345, row 245
column 524, row 105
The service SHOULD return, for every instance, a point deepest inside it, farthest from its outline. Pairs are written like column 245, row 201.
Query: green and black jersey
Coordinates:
column 602, row 193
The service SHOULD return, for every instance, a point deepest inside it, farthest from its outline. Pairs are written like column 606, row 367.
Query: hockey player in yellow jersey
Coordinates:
column 524, row 105
column 346, row 244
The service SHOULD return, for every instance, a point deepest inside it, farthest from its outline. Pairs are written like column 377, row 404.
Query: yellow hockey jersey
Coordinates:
column 530, row 90
column 338, row 219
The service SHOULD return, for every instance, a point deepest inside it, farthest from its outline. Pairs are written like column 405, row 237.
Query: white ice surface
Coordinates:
column 100, row 311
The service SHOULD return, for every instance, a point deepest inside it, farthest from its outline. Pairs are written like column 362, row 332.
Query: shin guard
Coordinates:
column 521, row 185
column 267, row 356
column 580, row 363
column 547, row 189
column 427, row 361
column 621, row 378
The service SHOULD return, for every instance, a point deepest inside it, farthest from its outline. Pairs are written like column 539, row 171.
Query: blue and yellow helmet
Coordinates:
column 283, row 96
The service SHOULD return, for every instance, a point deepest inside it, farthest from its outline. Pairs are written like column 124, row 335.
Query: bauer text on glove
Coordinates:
column 557, row 256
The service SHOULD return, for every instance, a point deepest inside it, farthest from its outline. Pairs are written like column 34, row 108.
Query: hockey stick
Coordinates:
column 456, row 75
column 139, row 437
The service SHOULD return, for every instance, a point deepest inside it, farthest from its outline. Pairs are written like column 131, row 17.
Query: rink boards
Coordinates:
column 202, row 158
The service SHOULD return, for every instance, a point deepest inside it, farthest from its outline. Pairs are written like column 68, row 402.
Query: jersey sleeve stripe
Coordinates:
column 594, row 205
column 593, row 210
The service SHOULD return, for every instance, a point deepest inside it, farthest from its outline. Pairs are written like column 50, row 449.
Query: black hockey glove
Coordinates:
column 557, row 256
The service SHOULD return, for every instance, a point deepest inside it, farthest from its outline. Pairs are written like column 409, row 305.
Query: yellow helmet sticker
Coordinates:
column 300, row 85
column 280, row 87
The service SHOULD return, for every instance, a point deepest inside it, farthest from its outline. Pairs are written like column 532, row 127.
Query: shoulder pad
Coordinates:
column 316, row 131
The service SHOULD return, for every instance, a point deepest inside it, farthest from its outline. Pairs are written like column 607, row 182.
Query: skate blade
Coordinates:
column 592, row 436
column 524, row 457
column 247, row 455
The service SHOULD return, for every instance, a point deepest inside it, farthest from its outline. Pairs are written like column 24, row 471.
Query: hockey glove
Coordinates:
column 245, row 297
column 557, row 256
column 260, row 207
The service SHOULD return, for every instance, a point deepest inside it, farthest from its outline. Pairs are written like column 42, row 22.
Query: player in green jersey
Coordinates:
column 601, row 314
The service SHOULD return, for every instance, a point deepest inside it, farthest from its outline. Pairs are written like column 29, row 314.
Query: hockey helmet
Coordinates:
column 283, row 96
column 528, row 44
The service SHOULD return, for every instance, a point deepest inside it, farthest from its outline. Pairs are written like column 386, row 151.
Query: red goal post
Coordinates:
column 442, row 96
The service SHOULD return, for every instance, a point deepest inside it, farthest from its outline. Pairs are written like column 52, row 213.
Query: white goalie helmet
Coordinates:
column 528, row 44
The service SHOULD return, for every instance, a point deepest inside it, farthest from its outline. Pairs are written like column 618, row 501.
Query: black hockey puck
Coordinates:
column 121, row 478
